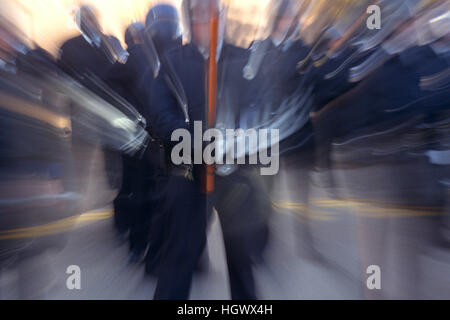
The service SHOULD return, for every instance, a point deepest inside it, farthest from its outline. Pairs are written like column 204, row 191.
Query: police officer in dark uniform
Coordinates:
column 182, row 218
column 125, row 77
column 87, row 58
column 187, row 207
column 185, row 211
column 129, row 213
column 162, row 34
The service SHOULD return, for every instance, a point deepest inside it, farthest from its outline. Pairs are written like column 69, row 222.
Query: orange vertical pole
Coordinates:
column 212, row 88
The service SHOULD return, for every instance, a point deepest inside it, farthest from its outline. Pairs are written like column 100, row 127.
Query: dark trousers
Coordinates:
column 130, row 212
column 185, row 211
column 243, row 206
column 155, row 204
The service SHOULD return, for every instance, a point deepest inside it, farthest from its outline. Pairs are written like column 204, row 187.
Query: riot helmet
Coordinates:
column 134, row 34
column 87, row 21
column 163, row 25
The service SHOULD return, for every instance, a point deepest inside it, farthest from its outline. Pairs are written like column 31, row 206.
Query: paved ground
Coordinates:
column 319, row 248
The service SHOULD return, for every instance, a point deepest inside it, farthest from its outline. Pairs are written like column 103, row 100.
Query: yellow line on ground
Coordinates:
column 354, row 201
column 361, row 207
column 55, row 227
column 303, row 212
column 364, row 208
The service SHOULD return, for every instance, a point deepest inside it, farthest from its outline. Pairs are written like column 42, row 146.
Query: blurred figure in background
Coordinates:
column 253, row 85
column 129, row 213
column 139, row 206
column 88, row 58
column 89, row 54
column 275, row 87
column 38, row 201
column 34, row 162
column 382, row 128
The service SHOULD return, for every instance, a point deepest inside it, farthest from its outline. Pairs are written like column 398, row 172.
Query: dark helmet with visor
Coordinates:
column 163, row 25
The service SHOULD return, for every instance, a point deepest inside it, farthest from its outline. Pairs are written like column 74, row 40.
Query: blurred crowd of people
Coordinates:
column 343, row 97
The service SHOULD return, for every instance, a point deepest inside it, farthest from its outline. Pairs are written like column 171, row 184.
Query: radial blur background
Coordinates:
column 364, row 177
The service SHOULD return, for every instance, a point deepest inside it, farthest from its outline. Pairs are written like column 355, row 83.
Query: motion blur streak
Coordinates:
column 90, row 93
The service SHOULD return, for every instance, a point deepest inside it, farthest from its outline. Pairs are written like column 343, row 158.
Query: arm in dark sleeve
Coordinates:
column 164, row 111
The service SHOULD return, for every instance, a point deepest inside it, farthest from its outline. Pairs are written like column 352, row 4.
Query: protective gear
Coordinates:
column 134, row 34
column 163, row 24
column 86, row 19
column 163, row 34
